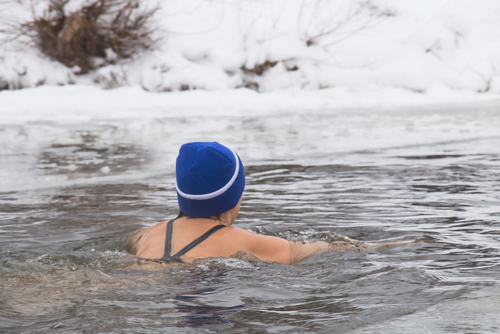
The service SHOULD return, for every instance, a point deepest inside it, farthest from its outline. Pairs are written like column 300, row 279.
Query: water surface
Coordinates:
column 71, row 192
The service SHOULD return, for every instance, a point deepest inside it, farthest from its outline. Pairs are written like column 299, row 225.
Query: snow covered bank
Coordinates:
column 81, row 103
column 428, row 46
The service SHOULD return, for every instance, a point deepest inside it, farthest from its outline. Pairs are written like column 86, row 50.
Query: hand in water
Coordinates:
column 340, row 243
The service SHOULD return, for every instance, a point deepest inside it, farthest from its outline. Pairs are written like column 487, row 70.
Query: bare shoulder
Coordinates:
column 244, row 237
column 268, row 248
column 148, row 245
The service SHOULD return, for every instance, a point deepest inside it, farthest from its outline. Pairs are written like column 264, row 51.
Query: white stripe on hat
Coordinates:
column 217, row 192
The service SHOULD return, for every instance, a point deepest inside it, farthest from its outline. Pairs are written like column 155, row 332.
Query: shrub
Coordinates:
column 99, row 33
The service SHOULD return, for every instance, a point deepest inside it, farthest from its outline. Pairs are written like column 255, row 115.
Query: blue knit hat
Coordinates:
column 210, row 179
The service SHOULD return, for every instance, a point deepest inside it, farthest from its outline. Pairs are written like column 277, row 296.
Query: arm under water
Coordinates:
column 304, row 249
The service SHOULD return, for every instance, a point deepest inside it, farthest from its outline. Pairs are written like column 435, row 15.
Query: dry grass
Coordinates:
column 261, row 69
column 257, row 70
column 99, row 34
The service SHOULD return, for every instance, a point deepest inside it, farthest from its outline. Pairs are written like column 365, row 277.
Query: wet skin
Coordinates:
column 224, row 242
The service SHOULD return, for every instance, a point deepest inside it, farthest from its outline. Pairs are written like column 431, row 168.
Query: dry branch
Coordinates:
column 107, row 29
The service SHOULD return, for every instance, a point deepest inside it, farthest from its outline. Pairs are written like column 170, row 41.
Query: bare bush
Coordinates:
column 328, row 28
column 98, row 34
column 260, row 69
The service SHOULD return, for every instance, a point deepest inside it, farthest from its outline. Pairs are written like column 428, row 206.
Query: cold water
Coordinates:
column 72, row 191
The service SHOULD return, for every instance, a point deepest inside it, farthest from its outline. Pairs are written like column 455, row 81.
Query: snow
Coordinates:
column 426, row 47
column 86, row 102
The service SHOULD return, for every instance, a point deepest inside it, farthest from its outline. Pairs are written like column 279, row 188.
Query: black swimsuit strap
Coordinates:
column 196, row 242
column 199, row 240
column 168, row 241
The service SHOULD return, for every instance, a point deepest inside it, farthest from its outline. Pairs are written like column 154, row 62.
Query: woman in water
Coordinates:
column 210, row 181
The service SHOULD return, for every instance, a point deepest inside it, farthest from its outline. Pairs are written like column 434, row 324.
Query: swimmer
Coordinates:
column 210, row 180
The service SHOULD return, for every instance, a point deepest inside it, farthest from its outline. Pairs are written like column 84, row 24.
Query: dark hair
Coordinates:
column 216, row 217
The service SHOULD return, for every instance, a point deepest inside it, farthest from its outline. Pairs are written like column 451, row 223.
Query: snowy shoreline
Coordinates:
column 83, row 102
column 429, row 48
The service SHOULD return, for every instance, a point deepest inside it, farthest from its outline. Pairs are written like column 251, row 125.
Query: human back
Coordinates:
column 210, row 180
column 223, row 243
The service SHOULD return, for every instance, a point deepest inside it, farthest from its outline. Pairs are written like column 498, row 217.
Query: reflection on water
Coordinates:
column 64, row 218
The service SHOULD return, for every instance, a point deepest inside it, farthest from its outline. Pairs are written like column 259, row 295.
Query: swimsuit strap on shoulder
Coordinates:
column 196, row 242
column 168, row 244
column 199, row 240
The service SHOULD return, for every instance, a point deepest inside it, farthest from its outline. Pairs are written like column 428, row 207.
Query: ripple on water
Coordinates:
column 64, row 218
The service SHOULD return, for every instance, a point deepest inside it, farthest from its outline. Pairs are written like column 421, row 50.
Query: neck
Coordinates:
column 224, row 219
